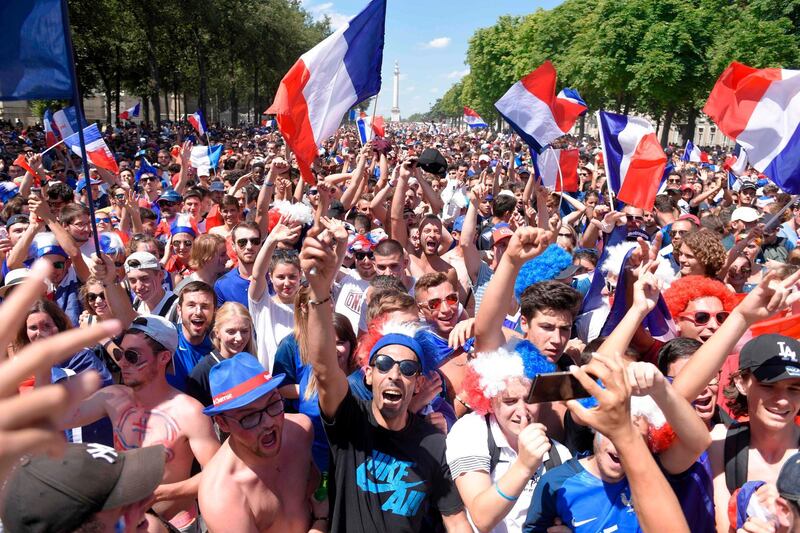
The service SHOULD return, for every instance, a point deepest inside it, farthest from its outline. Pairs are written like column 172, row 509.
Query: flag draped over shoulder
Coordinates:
column 327, row 81
column 760, row 110
column 35, row 61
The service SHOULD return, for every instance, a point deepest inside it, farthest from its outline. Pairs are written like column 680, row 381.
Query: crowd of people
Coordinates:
column 237, row 349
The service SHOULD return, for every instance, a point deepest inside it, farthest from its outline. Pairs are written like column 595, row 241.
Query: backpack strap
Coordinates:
column 737, row 448
column 167, row 307
column 494, row 450
column 553, row 458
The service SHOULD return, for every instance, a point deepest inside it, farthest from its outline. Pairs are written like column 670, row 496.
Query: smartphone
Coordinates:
column 3, row 232
column 554, row 387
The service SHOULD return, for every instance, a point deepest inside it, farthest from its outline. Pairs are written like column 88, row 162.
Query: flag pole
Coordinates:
column 78, row 103
column 50, row 148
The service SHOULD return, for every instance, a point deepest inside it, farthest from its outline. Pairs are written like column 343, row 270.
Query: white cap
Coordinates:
column 745, row 214
column 484, row 157
column 141, row 261
column 159, row 329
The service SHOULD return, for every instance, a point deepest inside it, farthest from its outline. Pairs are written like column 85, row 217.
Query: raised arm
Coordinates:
column 770, row 296
column 378, row 203
column 472, row 257
column 351, row 194
column 318, row 261
column 399, row 229
column 258, row 279
column 183, row 177
column 276, row 167
column 19, row 253
column 653, row 499
column 525, row 244
column 433, row 199
column 117, row 297
column 40, row 209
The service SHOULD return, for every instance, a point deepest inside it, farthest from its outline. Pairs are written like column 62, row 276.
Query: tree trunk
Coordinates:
column 166, row 103
column 667, row 125
column 256, row 96
column 117, row 89
column 582, row 126
column 185, row 102
column 146, row 108
column 107, row 92
column 234, row 97
column 691, row 123
column 202, row 88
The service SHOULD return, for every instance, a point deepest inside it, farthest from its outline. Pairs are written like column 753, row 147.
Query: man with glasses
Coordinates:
column 678, row 229
column 146, row 411
column 232, row 287
column 351, row 285
column 150, row 186
column 170, row 203
column 389, row 471
column 263, row 477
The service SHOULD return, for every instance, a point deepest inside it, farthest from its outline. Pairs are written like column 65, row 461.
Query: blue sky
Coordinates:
column 429, row 40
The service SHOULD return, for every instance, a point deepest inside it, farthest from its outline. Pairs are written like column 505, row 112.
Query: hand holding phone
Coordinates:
column 555, row 387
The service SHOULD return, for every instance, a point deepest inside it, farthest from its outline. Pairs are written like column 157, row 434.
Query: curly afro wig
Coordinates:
column 689, row 288
column 542, row 268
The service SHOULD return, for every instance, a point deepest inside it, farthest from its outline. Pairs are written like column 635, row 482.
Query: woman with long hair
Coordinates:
column 95, row 306
column 232, row 333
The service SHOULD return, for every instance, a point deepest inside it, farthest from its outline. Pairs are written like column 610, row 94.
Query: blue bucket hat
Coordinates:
column 239, row 381
column 170, row 195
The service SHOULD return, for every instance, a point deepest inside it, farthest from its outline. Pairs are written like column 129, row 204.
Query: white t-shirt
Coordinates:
column 351, row 297
column 468, row 451
column 273, row 321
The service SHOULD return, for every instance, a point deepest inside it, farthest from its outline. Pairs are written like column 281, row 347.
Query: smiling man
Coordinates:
column 262, row 478
column 146, row 277
column 196, row 308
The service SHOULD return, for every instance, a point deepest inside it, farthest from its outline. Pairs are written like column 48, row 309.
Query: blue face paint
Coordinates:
column 119, row 527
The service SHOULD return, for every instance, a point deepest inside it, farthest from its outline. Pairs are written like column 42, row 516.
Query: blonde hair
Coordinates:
column 228, row 311
column 204, row 250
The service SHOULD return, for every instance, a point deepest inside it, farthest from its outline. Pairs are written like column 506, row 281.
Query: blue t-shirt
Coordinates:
column 695, row 493
column 67, row 297
column 186, row 357
column 231, row 287
column 582, row 501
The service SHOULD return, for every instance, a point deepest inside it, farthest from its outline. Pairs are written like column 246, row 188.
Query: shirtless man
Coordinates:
column 430, row 230
column 254, row 482
column 146, row 411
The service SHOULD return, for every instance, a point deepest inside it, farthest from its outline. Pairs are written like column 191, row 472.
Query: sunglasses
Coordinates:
column 145, row 179
column 610, row 287
column 102, row 220
column 435, row 303
column 254, row 419
column 384, row 363
column 166, row 203
column 131, row 356
column 702, row 318
column 313, row 192
column 636, row 218
column 255, row 241
column 678, row 233
column 92, row 296
column 360, row 256
column 182, row 244
column 119, row 196
column 58, row 265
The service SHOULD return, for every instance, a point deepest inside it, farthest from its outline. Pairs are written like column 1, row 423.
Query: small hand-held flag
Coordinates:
column 693, row 154
column 634, row 159
column 557, row 169
column 97, row 151
column 473, row 119
column 66, row 121
column 49, row 131
column 198, row 122
column 532, row 108
column 130, row 112
column 760, row 110
column 327, row 81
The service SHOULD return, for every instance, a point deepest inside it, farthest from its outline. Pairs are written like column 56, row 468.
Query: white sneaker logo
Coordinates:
column 582, row 522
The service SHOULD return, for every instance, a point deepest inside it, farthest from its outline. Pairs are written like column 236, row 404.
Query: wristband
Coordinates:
column 504, row 495
column 269, row 184
column 320, row 302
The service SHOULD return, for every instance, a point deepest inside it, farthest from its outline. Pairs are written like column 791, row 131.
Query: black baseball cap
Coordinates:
column 771, row 357
column 46, row 494
column 789, row 479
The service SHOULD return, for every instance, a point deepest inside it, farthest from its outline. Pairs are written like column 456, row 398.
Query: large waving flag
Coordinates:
column 473, row 119
column 760, row 109
column 198, row 122
column 130, row 112
column 66, row 121
column 205, row 157
column 97, row 151
column 329, row 79
column 693, row 154
column 532, row 108
column 36, row 63
column 49, row 131
column 633, row 157
column 547, row 164
column 368, row 128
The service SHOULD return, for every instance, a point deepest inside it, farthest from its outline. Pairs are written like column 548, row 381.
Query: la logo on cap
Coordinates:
column 786, row 353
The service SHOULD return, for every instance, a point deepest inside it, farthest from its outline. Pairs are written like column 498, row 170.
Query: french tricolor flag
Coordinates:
column 327, row 81
column 760, row 109
column 130, row 112
column 693, row 154
column 634, row 160
column 557, row 169
column 97, row 151
column 198, row 122
column 367, row 128
column 532, row 108
column 49, row 128
column 66, row 121
column 473, row 119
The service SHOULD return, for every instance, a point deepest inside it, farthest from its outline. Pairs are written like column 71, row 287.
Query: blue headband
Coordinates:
column 175, row 229
column 400, row 339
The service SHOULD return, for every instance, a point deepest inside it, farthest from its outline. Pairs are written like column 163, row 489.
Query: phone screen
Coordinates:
column 554, row 387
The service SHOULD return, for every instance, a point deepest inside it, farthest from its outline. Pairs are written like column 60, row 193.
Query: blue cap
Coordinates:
column 238, row 382
column 217, row 186
column 82, row 184
column 45, row 244
column 458, row 224
column 170, row 195
column 8, row 190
